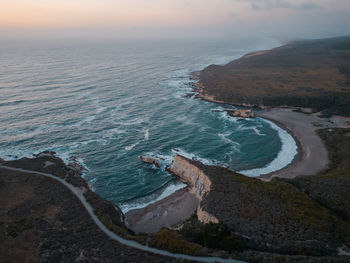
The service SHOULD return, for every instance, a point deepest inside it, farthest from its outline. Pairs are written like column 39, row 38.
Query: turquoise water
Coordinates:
column 107, row 102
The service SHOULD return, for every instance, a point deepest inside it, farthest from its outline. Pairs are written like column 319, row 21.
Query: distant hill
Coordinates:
column 310, row 73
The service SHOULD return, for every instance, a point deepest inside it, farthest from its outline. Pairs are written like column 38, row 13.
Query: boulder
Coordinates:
column 243, row 113
column 150, row 160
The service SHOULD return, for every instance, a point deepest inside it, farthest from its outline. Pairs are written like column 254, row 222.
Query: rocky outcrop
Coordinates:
column 191, row 175
column 75, row 165
column 205, row 217
column 150, row 160
column 258, row 212
column 243, row 113
column 198, row 181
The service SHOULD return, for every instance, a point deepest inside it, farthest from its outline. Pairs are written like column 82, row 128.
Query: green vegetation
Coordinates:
column 172, row 241
column 253, row 213
column 331, row 188
column 311, row 74
column 15, row 228
column 214, row 236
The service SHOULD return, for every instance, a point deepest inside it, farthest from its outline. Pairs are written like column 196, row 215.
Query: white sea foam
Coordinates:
column 130, row 147
column 224, row 115
column 86, row 120
column 170, row 189
column 63, row 152
column 285, row 156
column 255, row 129
column 194, row 156
column 147, row 134
column 112, row 133
column 132, row 122
column 235, row 145
column 165, row 160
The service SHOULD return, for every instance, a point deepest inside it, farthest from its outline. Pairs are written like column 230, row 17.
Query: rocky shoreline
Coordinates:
column 284, row 78
column 245, row 206
column 312, row 159
column 279, row 217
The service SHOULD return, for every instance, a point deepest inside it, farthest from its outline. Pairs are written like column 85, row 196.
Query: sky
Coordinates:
column 211, row 18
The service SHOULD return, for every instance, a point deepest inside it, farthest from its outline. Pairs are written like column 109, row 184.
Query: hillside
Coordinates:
column 311, row 73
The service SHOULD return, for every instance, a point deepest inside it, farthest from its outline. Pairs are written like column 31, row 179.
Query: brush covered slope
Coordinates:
column 313, row 73
column 271, row 216
column 43, row 221
column 331, row 188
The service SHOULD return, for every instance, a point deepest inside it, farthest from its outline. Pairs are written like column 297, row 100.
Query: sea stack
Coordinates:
column 150, row 160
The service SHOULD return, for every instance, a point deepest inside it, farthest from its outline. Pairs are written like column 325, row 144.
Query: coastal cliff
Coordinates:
column 311, row 73
column 267, row 216
column 198, row 181
column 191, row 175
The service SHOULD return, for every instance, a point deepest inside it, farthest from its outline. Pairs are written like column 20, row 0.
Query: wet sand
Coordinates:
column 313, row 155
column 312, row 158
column 164, row 213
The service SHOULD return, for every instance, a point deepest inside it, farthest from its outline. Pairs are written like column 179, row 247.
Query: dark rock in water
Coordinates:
column 189, row 95
column 78, row 168
column 243, row 113
column 2, row 160
column 75, row 165
column 150, row 160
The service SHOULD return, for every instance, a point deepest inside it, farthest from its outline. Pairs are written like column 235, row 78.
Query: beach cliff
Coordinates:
column 270, row 216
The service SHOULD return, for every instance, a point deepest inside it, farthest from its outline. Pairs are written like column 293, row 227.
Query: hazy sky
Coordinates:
column 294, row 18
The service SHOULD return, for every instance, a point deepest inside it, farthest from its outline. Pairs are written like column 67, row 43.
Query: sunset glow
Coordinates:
column 162, row 14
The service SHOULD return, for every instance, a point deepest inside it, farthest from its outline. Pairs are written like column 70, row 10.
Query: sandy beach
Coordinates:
column 312, row 158
column 164, row 213
column 313, row 155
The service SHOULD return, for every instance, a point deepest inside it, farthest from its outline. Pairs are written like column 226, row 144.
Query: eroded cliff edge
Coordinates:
column 310, row 73
column 266, row 216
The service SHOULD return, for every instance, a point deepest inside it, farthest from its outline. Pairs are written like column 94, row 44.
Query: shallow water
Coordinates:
column 107, row 102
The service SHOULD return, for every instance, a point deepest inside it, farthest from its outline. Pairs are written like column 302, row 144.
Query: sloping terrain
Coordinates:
column 42, row 221
column 312, row 73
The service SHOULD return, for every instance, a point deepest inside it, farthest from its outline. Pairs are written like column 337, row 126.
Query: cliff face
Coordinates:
column 265, row 214
column 197, row 180
column 191, row 175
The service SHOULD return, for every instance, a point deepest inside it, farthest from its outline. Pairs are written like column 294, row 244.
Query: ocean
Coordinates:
column 107, row 102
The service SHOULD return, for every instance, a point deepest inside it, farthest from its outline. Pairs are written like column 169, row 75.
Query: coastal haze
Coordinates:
column 175, row 131
column 282, row 19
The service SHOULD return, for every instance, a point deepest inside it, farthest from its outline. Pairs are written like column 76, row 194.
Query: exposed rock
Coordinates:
column 49, row 163
column 268, row 213
column 190, row 175
column 243, row 113
column 75, row 165
column 150, row 160
column 205, row 217
column 197, row 180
